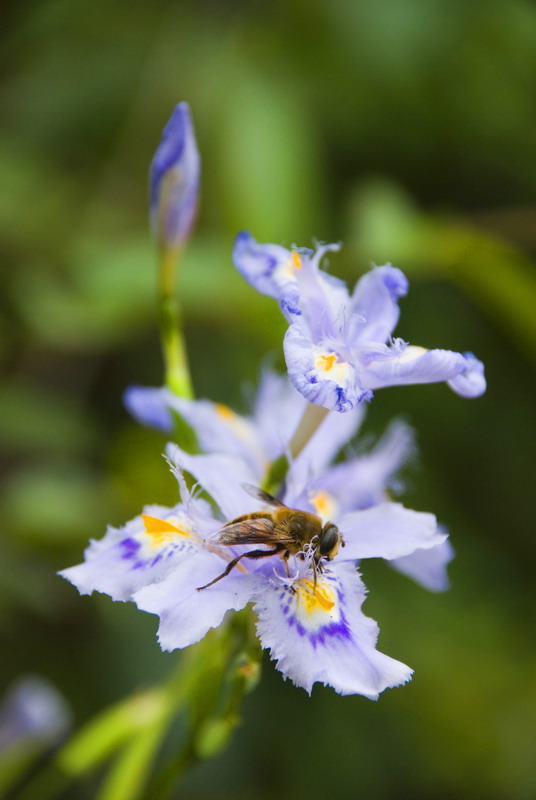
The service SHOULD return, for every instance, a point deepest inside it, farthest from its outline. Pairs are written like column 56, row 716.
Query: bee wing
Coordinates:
column 251, row 531
column 264, row 497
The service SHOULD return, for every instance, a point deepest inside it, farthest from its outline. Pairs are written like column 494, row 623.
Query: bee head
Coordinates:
column 330, row 539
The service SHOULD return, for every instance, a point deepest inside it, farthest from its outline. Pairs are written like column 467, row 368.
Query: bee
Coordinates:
column 288, row 531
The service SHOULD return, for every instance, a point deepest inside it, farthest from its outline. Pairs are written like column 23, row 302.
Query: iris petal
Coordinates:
column 321, row 635
column 387, row 531
column 375, row 302
column 128, row 558
column 187, row 614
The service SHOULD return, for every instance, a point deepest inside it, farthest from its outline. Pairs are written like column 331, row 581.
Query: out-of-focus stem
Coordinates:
column 313, row 416
column 276, row 474
column 177, row 372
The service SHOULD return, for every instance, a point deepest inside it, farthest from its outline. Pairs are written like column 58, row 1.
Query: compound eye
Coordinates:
column 329, row 540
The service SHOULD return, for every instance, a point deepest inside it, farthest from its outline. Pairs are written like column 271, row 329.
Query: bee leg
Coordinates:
column 285, row 562
column 315, row 566
column 255, row 554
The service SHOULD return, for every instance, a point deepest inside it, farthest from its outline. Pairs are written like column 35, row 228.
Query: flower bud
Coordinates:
column 174, row 181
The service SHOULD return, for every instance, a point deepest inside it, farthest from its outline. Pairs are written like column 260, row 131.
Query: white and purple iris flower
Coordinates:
column 246, row 446
column 316, row 632
column 174, row 181
column 338, row 346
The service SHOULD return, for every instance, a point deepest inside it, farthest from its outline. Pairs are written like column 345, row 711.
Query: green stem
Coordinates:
column 207, row 688
column 313, row 416
column 177, row 372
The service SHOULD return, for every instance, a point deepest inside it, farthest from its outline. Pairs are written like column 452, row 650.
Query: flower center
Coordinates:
column 330, row 366
column 314, row 599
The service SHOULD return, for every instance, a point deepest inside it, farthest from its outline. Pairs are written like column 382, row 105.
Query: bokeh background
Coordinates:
column 404, row 128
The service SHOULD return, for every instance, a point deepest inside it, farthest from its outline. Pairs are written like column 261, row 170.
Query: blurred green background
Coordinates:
column 404, row 128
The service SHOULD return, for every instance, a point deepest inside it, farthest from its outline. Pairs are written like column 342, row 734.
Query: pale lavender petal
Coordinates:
column 387, row 531
column 221, row 430
column 399, row 366
column 302, row 479
column 278, row 410
column 334, row 433
column 428, row 567
column 323, row 299
column 361, row 482
column 221, row 476
column 174, row 180
column 187, row 614
column 322, row 636
column 471, row 382
column 320, row 374
column 269, row 268
column 149, row 406
column 375, row 302
column 127, row 558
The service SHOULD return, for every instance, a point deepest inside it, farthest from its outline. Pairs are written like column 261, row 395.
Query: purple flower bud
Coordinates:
column 174, row 181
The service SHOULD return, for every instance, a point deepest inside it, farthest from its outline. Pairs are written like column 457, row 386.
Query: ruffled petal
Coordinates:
column 278, row 410
column 375, row 302
column 270, row 269
column 401, row 365
column 471, row 382
column 222, row 477
column 428, row 567
column 321, row 635
column 387, row 531
column 140, row 553
column 220, row 430
column 323, row 299
column 149, row 406
column 187, row 614
column 320, row 374
column 361, row 482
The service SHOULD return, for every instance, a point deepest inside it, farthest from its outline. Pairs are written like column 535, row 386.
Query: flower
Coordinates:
column 315, row 631
column 174, row 181
column 32, row 713
column 329, row 491
column 338, row 346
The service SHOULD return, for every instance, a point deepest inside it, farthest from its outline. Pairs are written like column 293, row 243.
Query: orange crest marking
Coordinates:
column 160, row 530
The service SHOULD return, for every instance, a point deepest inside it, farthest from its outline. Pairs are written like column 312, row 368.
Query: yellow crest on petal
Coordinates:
column 161, row 531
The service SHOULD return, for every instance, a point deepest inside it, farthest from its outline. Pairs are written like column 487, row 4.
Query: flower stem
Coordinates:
column 177, row 372
column 276, row 474
column 313, row 416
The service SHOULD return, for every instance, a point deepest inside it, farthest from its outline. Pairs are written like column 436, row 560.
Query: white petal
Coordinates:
column 375, row 301
column 127, row 558
column 387, row 531
column 186, row 614
column 427, row 567
column 222, row 477
column 322, row 635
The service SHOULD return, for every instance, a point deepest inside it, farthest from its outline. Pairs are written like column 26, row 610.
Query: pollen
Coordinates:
column 325, row 361
column 319, row 598
column 161, row 531
column 330, row 366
